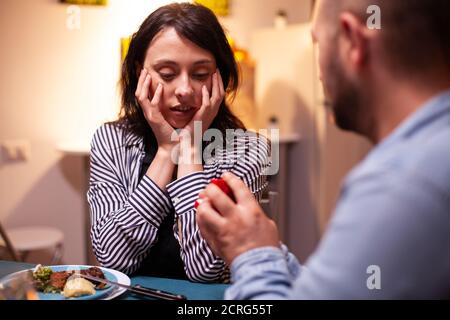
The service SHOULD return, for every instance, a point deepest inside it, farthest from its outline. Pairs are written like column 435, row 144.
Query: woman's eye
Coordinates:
column 167, row 76
column 200, row 76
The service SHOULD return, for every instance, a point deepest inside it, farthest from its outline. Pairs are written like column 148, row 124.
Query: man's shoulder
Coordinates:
column 424, row 161
column 432, row 160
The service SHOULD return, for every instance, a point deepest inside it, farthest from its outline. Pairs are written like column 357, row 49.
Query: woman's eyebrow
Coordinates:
column 205, row 61
column 164, row 62
column 167, row 62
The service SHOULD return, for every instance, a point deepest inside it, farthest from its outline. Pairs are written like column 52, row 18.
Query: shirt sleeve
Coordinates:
column 251, row 161
column 123, row 225
column 201, row 264
column 388, row 239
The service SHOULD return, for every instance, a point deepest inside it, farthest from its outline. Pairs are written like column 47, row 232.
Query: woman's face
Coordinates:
column 182, row 68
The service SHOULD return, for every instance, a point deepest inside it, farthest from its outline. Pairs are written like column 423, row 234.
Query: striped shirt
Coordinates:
column 126, row 211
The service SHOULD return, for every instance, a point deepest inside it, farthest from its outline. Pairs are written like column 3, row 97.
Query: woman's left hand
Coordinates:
column 210, row 105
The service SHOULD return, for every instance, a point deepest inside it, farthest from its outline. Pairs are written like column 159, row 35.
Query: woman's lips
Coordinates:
column 182, row 112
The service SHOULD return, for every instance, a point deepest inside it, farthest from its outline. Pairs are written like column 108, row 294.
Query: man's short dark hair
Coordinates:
column 416, row 34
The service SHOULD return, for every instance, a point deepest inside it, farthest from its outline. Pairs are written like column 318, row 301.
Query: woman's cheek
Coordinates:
column 166, row 98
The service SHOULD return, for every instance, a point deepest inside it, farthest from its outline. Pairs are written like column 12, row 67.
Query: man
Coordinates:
column 389, row 234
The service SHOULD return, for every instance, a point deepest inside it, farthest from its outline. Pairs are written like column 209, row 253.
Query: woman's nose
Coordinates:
column 184, row 89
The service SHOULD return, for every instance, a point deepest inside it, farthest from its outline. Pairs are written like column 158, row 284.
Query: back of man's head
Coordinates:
column 415, row 33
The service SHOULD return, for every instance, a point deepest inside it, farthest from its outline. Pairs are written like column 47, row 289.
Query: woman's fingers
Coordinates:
column 143, row 96
column 157, row 96
column 215, row 92
column 205, row 96
column 221, row 88
column 153, row 112
column 205, row 100
column 141, row 79
column 218, row 91
column 215, row 98
column 210, row 102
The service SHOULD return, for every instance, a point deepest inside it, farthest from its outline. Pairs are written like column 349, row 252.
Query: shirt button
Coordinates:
column 176, row 200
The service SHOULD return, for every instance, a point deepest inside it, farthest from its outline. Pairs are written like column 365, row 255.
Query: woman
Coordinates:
column 177, row 72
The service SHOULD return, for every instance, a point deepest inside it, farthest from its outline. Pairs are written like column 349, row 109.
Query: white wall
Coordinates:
column 246, row 16
column 286, row 83
column 58, row 85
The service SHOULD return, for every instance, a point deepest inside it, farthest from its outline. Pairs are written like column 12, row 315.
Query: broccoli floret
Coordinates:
column 41, row 277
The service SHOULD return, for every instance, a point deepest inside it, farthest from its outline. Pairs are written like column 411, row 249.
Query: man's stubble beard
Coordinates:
column 346, row 101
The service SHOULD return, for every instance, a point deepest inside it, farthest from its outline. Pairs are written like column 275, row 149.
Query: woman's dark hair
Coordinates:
column 197, row 24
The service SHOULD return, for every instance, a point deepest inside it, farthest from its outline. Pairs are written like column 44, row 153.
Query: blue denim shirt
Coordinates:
column 389, row 236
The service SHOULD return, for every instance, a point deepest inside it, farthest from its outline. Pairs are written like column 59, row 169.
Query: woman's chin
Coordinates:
column 179, row 123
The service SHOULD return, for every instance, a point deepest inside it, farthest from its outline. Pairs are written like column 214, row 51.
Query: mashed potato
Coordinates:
column 76, row 287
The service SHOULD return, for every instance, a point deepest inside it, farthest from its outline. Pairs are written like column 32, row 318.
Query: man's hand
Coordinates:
column 232, row 228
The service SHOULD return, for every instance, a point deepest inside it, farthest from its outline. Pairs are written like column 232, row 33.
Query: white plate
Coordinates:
column 122, row 278
column 115, row 292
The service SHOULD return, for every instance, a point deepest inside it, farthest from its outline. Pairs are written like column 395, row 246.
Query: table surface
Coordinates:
column 193, row 291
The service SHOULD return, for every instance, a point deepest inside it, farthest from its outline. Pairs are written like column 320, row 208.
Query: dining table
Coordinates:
column 191, row 290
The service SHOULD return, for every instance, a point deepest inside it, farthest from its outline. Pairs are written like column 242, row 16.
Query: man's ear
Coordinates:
column 354, row 42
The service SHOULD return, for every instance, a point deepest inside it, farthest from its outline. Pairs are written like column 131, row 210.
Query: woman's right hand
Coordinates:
column 151, row 106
